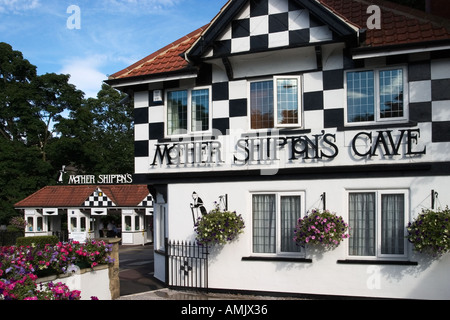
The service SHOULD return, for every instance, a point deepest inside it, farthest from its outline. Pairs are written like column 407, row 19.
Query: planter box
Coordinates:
column 91, row 282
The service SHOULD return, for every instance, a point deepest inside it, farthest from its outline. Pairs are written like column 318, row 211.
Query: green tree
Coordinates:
column 97, row 136
column 36, row 140
column 17, row 114
column 52, row 96
column 114, row 118
column 22, row 170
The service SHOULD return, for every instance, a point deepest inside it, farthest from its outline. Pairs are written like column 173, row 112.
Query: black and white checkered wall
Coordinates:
column 99, row 200
column 323, row 89
column 265, row 24
column 147, row 202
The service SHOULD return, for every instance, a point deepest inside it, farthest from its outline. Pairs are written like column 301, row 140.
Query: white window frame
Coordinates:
column 189, row 112
column 378, row 232
column 377, row 115
column 274, row 80
column 278, row 195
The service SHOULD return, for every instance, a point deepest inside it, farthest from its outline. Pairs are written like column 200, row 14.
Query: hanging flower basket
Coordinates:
column 430, row 232
column 321, row 228
column 218, row 227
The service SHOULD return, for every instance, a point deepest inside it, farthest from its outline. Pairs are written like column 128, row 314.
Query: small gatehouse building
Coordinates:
column 90, row 209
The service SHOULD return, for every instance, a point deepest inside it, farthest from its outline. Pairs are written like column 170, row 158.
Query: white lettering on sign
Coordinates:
column 101, row 179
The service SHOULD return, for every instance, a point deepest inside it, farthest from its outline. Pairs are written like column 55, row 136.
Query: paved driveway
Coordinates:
column 137, row 282
column 136, row 270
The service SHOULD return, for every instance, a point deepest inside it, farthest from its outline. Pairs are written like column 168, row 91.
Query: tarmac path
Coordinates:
column 136, row 270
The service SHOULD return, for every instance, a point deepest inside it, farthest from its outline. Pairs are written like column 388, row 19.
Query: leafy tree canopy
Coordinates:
column 37, row 137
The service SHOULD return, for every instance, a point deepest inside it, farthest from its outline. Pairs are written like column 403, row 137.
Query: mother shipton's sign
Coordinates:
column 101, row 179
column 273, row 148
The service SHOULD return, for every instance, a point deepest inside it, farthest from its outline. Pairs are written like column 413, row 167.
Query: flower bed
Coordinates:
column 321, row 228
column 21, row 266
column 26, row 288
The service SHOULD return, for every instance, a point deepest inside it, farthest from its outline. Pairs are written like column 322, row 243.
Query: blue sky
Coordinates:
column 113, row 33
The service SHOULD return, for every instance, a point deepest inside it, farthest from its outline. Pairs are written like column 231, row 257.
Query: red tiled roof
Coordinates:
column 76, row 195
column 399, row 25
column 170, row 58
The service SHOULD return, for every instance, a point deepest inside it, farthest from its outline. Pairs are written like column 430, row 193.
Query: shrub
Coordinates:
column 19, row 223
column 430, row 232
column 321, row 228
column 37, row 241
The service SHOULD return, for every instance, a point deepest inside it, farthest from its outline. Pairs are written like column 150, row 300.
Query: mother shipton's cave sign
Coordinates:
column 275, row 149
column 93, row 179
column 101, row 179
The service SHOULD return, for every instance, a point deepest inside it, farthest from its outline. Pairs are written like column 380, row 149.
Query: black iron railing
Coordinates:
column 186, row 265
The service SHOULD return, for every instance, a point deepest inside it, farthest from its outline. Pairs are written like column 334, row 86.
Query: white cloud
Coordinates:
column 17, row 6
column 85, row 74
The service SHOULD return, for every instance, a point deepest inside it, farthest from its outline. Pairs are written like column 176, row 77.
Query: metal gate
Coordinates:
column 186, row 265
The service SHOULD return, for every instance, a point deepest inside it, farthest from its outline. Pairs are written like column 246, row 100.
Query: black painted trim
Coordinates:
column 301, row 174
column 427, row 45
column 376, row 126
column 281, row 259
column 379, row 262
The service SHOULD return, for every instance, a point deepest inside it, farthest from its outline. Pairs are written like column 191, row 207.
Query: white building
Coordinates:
column 91, row 211
column 305, row 101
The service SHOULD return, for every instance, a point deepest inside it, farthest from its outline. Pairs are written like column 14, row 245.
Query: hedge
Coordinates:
column 38, row 240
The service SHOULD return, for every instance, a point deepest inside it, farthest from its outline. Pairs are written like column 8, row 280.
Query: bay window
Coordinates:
column 275, row 102
column 377, row 221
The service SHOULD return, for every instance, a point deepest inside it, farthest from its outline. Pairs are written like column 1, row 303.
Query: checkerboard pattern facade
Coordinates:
column 147, row 202
column 323, row 84
column 429, row 98
column 99, row 199
column 323, row 96
column 266, row 24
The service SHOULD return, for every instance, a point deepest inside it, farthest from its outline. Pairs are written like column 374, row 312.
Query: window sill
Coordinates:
column 378, row 125
column 189, row 137
column 275, row 259
column 379, row 262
